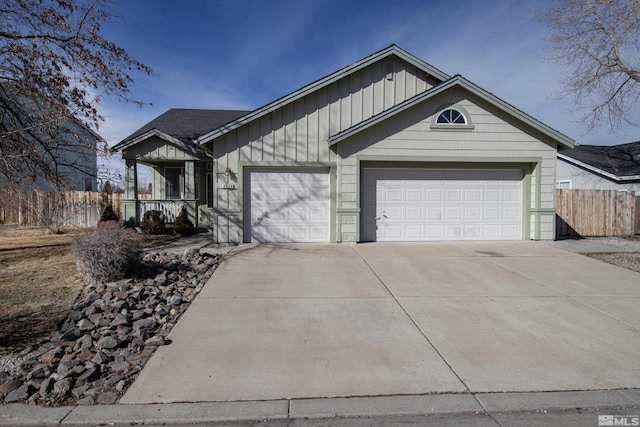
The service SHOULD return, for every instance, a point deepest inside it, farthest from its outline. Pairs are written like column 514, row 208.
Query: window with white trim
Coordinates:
column 448, row 118
column 451, row 116
column 564, row 184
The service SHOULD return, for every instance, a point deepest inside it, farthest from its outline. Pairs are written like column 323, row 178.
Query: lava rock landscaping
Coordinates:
column 109, row 334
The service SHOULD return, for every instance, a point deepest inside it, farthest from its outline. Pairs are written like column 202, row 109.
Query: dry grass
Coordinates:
column 38, row 282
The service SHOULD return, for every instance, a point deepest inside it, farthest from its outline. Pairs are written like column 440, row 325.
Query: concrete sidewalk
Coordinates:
column 483, row 409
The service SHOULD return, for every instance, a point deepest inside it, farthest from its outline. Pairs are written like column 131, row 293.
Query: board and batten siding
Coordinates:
column 297, row 133
column 408, row 137
column 156, row 148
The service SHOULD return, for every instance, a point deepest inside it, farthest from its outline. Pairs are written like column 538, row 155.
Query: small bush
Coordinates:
column 108, row 214
column 108, row 253
column 153, row 222
column 183, row 225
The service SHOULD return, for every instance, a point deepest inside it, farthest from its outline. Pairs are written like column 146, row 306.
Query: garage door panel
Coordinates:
column 453, row 195
column 442, row 205
column 472, row 195
column 511, row 195
column 472, row 213
column 413, row 195
column 293, row 205
column 434, row 195
column 414, row 213
column 393, row 213
column 491, row 213
column 434, row 214
column 491, row 195
column 510, row 213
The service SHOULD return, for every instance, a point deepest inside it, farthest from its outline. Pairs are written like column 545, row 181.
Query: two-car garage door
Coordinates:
column 420, row 205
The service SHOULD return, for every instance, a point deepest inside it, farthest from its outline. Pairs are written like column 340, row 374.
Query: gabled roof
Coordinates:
column 181, row 126
column 460, row 81
column 617, row 162
column 325, row 81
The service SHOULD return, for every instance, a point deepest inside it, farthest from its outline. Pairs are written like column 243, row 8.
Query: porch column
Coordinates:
column 130, row 202
column 189, row 180
column 190, row 195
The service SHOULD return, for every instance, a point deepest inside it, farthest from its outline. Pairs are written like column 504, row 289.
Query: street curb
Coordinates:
column 322, row 408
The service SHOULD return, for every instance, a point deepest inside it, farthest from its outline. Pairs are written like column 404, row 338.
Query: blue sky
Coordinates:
column 242, row 54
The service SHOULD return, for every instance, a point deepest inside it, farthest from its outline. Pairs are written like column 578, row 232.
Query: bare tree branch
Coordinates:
column 597, row 42
column 55, row 66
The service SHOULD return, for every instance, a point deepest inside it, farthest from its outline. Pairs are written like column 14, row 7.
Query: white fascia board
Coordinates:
column 318, row 84
column 598, row 171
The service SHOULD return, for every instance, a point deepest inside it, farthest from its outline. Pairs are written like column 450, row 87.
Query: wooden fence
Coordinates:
column 40, row 208
column 596, row 213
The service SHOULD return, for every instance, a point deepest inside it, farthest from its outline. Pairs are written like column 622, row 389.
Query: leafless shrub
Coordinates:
column 153, row 222
column 108, row 253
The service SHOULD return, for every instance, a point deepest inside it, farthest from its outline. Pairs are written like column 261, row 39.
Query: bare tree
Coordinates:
column 597, row 44
column 54, row 68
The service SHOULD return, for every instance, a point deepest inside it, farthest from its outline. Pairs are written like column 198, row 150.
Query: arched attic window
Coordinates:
column 452, row 119
column 451, row 116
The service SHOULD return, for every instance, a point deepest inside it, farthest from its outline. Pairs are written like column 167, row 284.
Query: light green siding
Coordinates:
column 496, row 141
column 298, row 133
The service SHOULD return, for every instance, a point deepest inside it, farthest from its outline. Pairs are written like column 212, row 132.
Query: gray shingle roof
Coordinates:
column 188, row 124
column 620, row 160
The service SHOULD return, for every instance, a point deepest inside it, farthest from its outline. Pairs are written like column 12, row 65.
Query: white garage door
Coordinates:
column 288, row 205
column 418, row 205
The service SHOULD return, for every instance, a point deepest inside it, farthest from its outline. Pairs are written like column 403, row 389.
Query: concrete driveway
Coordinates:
column 327, row 320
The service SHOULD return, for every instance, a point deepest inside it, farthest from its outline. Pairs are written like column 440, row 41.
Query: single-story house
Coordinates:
column 600, row 167
column 388, row 148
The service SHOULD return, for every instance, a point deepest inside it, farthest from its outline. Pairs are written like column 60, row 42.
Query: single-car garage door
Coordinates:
column 287, row 205
column 419, row 205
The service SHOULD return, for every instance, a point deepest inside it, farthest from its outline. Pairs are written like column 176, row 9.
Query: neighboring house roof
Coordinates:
column 325, row 81
column 457, row 80
column 182, row 126
column 616, row 162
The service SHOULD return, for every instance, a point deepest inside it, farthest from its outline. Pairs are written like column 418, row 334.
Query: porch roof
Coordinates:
column 183, row 125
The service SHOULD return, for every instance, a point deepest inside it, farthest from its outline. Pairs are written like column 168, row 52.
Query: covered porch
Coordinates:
column 174, row 185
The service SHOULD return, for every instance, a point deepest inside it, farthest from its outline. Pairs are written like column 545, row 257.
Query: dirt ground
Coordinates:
column 38, row 282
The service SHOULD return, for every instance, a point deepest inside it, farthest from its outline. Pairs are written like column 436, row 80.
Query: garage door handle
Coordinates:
column 377, row 218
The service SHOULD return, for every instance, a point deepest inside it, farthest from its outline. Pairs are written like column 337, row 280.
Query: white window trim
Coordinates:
column 564, row 181
column 467, row 126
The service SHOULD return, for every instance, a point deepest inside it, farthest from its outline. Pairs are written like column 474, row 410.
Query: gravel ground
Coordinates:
column 631, row 243
column 10, row 362
column 629, row 260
